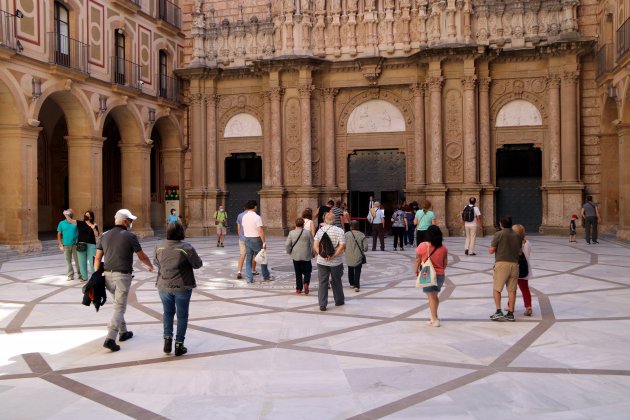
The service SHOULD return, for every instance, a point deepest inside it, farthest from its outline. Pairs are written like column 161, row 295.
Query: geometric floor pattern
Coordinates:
column 263, row 352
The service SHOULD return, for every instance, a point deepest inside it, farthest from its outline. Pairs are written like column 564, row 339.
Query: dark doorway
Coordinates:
column 243, row 180
column 519, row 175
column 377, row 173
column 157, row 182
column 112, row 182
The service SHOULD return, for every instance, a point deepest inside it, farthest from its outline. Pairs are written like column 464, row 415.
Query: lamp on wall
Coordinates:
column 36, row 87
column 102, row 103
column 612, row 92
column 19, row 14
column 151, row 115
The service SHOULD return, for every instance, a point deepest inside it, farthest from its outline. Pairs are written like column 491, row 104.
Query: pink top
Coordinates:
column 438, row 257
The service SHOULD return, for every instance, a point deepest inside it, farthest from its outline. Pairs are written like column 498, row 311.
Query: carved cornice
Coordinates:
column 570, row 78
column 195, row 98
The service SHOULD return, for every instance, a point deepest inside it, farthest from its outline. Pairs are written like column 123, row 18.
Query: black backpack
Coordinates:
column 468, row 215
column 523, row 266
column 326, row 248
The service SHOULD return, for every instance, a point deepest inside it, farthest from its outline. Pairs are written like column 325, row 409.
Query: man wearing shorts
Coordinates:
column 220, row 221
column 241, row 244
column 506, row 247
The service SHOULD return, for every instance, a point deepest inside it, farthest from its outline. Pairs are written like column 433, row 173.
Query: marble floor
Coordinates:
column 262, row 352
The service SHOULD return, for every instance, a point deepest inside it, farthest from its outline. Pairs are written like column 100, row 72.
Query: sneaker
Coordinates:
column 472, row 253
column 111, row 344
column 395, row 249
column 528, row 312
column 268, row 278
column 168, row 345
column 218, row 244
column 70, row 279
column 322, row 308
column 222, row 246
column 588, row 242
column 306, row 288
column 466, row 252
column 356, row 289
column 180, row 349
column 125, row 336
column 497, row 316
column 339, row 304
column 239, row 275
column 595, row 242
column 509, row 316
column 402, row 249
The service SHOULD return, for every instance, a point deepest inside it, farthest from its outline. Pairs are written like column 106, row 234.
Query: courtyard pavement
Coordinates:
column 263, row 352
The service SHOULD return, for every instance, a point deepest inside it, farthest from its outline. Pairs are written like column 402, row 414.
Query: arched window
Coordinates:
column 163, row 75
column 62, row 35
column 119, row 57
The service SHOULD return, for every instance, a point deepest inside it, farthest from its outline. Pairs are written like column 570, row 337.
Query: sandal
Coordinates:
column 255, row 273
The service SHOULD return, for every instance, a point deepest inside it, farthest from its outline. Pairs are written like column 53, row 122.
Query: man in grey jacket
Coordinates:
column 356, row 246
column 299, row 245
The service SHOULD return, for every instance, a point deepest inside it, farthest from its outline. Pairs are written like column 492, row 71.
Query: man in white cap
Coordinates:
column 118, row 246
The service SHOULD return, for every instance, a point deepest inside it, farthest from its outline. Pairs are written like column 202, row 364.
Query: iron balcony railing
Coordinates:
column 169, row 87
column 68, row 52
column 136, row 2
column 169, row 12
column 623, row 38
column 7, row 31
column 604, row 59
column 126, row 73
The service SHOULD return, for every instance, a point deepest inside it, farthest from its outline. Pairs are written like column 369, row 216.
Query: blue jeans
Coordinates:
column 253, row 246
column 176, row 302
column 87, row 258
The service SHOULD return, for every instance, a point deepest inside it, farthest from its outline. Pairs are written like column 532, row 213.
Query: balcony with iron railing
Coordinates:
column 130, row 5
column 7, row 31
column 604, row 57
column 67, row 52
column 126, row 73
column 169, row 88
column 623, row 39
column 169, row 12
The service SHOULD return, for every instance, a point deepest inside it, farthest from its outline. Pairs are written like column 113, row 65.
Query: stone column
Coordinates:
column 470, row 130
column 196, row 195
column 435, row 119
column 136, row 186
column 623, row 131
column 18, row 188
column 85, row 175
column 275, row 94
column 266, row 154
column 330, row 155
column 212, row 144
column 569, row 137
column 553, row 89
column 418, row 91
column 307, row 147
column 484, row 130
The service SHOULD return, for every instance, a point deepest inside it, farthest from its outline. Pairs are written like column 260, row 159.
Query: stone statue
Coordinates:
column 198, row 6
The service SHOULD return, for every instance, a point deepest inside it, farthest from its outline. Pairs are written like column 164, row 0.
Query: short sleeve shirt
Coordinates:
column 437, row 258
column 424, row 219
column 508, row 245
column 251, row 222
column 589, row 209
column 474, row 222
column 376, row 216
column 118, row 246
column 337, row 236
column 69, row 233
column 399, row 218
column 172, row 218
column 239, row 221
column 221, row 217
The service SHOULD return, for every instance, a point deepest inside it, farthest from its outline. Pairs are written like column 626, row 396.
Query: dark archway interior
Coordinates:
column 112, row 180
column 243, row 181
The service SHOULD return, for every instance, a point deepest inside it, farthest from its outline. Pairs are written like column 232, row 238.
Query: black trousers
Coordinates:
column 421, row 236
column 590, row 228
column 354, row 276
column 399, row 235
column 303, row 271
column 378, row 231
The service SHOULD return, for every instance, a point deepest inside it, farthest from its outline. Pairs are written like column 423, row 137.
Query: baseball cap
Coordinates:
column 124, row 214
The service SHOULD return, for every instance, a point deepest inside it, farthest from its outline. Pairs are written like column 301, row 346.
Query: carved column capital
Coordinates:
column 213, row 99
column 195, row 98
column 469, row 82
column 570, row 77
column 305, row 91
column 329, row 93
column 553, row 81
column 275, row 93
column 435, row 83
column 418, row 89
column 484, row 84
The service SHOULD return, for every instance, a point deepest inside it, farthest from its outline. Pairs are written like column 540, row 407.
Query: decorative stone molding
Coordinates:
column 469, row 82
column 435, row 83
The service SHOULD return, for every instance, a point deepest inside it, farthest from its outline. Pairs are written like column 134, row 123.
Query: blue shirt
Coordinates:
column 172, row 218
column 424, row 219
column 69, row 233
column 239, row 221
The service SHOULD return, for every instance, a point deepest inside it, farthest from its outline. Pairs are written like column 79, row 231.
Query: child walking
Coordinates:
column 523, row 280
column 572, row 228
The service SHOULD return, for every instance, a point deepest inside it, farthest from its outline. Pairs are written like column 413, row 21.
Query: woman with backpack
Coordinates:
column 437, row 252
column 524, row 269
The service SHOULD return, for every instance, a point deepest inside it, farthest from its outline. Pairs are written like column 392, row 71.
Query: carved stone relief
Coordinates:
column 348, row 100
column 376, row 116
column 518, row 113
column 532, row 91
column 242, row 125
column 292, row 143
column 453, row 135
column 315, row 139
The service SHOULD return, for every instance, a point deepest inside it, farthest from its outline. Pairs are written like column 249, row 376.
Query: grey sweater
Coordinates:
column 303, row 248
column 175, row 261
column 353, row 254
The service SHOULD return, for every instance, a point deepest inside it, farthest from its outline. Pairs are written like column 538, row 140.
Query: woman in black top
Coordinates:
column 86, row 245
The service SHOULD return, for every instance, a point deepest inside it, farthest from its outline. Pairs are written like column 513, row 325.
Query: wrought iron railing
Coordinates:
column 169, row 12
column 126, row 73
column 7, row 30
column 604, row 59
column 169, row 87
column 136, row 2
column 623, row 38
column 67, row 52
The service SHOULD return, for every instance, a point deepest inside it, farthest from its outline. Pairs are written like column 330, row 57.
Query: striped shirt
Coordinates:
column 338, row 212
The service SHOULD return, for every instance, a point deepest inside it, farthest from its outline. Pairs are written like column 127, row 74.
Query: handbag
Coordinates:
column 261, row 257
column 81, row 247
column 427, row 276
column 363, row 259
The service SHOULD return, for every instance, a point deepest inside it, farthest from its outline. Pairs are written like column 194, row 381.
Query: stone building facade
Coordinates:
column 405, row 99
column 90, row 115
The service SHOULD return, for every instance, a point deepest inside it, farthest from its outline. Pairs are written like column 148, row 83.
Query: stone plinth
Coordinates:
column 561, row 201
column 272, row 210
column 197, row 224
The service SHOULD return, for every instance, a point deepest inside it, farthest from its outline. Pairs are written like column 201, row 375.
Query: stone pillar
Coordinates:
column 305, row 116
column 275, row 94
column 470, row 131
column 330, row 155
column 484, row 131
column 18, row 188
column 212, row 143
column 266, row 154
column 85, row 175
column 623, row 131
column 196, row 195
column 569, row 138
column 419, row 158
column 553, row 89
column 435, row 119
column 136, row 185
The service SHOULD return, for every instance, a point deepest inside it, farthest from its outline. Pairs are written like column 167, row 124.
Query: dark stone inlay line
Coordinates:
column 18, row 319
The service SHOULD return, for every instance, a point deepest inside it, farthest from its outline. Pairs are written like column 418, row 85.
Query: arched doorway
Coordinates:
column 243, row 181
column 379, row 174
column 519, row 176
column 157, row 181
column 53, row 191
column 112, row 180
